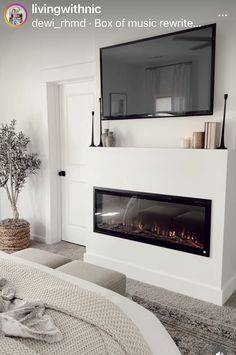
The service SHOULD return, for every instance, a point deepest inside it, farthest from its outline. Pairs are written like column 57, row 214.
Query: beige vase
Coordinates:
column 110, row 140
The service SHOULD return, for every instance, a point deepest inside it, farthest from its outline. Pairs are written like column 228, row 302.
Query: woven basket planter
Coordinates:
column 14, row 235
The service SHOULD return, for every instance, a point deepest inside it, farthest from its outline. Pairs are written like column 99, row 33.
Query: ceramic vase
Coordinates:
column 104, row 135
column 110, row 140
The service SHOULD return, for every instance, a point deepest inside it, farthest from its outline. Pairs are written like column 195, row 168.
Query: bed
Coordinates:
column 149, row 335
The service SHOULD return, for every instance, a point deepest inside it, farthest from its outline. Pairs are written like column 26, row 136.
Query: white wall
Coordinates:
column 229, row 259
column 27, row 52
column 23, row 62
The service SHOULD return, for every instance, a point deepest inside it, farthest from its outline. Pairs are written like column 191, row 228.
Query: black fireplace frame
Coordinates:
column 162, row 198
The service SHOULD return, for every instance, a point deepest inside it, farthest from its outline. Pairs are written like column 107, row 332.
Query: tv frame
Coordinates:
column 153, row 115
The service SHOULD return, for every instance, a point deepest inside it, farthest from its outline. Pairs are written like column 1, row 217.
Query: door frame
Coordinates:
column 52, row 79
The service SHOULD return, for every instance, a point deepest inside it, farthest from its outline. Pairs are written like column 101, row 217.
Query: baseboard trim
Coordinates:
column 228, row 289
column 38, row 238
column 180, row 285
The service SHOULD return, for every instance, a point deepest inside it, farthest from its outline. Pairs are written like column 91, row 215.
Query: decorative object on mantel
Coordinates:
column 92, row 139
column 104, row 135
column 222, row 143
column 212, row 135
column 100, row 118
column 198, row 140
column 16, row 164
column 110, row 139
column 185, row 142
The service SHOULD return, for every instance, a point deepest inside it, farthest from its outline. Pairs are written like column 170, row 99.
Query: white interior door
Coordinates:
column 77, row 103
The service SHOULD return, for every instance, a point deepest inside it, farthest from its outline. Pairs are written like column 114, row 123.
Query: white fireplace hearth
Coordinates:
column 206, row 174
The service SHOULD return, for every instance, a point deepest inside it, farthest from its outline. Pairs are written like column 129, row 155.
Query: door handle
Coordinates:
column 62, row 173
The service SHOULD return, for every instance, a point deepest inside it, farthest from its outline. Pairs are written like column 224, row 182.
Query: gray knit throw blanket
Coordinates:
column 20, row 318
column 89, row 323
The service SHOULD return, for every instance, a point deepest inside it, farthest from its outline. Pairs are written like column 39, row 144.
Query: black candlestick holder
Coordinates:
column 222, row 143
column 100, row 143
column 92, row 139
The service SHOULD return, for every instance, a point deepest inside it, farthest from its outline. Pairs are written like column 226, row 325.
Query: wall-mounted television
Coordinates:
column 170, row 75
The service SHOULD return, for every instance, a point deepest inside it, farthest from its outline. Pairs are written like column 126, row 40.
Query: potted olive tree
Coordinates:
column 16, row 164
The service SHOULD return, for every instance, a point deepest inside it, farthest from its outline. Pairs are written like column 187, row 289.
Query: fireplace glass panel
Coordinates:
column 173, row 222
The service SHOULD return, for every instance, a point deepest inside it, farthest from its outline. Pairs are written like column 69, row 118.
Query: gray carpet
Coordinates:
column 197, row 327
column 194, row 333
column 69, row 250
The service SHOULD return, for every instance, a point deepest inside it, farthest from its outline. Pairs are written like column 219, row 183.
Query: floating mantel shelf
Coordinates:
column 192, row 150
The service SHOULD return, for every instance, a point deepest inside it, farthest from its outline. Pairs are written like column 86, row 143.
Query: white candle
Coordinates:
column 185, row 142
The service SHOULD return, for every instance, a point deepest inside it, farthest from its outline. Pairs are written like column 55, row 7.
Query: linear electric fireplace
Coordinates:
column 180, row 223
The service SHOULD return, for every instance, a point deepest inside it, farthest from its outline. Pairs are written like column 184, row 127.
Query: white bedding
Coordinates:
column 151, row 328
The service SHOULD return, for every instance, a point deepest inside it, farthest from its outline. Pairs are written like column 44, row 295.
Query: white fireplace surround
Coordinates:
column 209, row 174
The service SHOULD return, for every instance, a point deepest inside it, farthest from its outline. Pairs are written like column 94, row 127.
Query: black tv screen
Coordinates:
column 168, row 75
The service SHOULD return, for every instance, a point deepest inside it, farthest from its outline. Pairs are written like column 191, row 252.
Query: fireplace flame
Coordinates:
column 140, row 226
